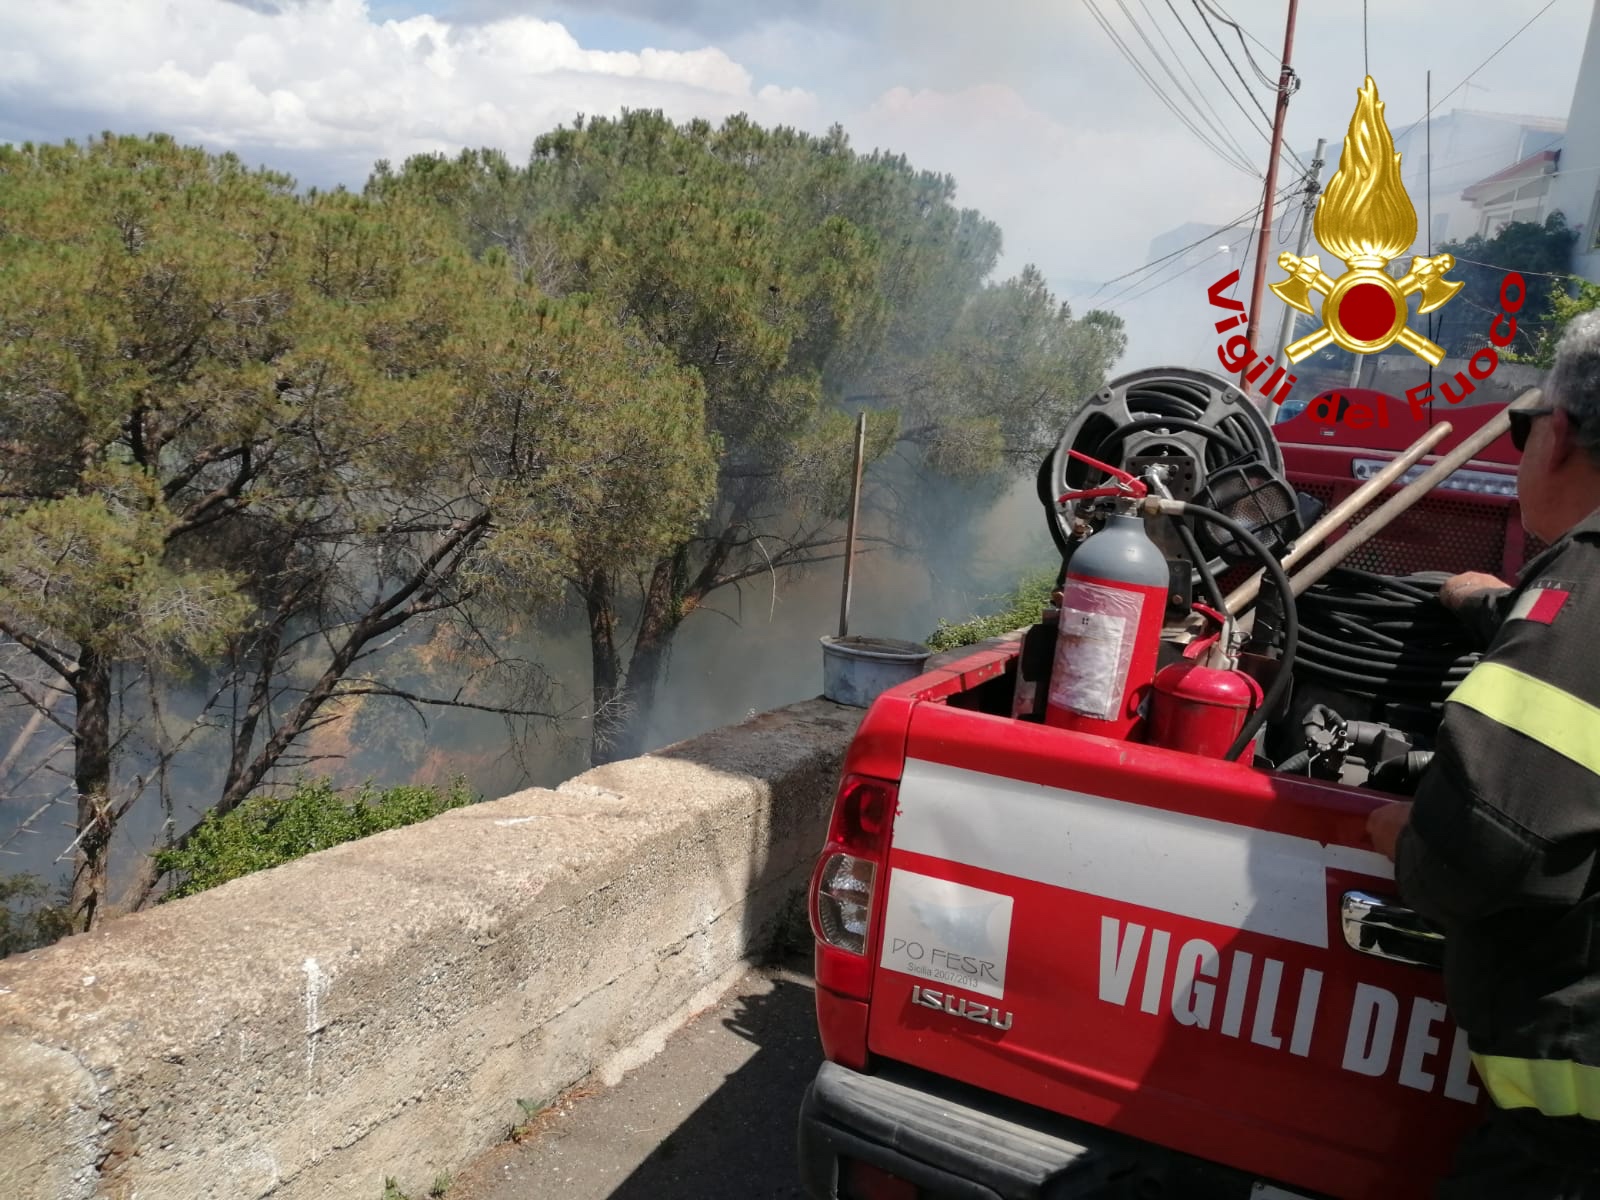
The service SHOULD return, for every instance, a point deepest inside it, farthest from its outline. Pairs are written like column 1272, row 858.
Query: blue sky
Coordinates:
column 1028, row 103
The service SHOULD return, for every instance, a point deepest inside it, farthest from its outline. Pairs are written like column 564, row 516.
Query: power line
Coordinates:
column 1236, row 223
column 1480, row 66
column 1267, row 81
column 1300, row 212
column 1118, row 301
column 1228, row 91
column 1223, row 15
column 1518, row 270
column 1248, row 215
column 1366, row 62
column 1156, row 262
column 1292, row 226
column 1162, row 96
column 1192, row 267
column 1174, row 270
column 1157, row 55
column 1265, row 116
column 1219, row 124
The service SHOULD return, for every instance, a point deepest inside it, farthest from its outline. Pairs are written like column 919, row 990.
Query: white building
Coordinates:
column 1575, row 189
column 1468, row 148
column 1523, row 191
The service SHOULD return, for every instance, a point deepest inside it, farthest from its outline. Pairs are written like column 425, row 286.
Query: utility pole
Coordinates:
column 1313, row 186
column 1285, row 75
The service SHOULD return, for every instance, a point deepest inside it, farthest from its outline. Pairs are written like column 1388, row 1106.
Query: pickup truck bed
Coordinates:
column 1098, row 968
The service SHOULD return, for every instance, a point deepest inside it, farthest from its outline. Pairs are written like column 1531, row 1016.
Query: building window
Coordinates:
column 1594, row 222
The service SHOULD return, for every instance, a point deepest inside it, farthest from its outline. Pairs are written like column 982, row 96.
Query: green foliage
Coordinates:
column 1540, row 252
column 267, row 831
column 1019, row 608
column 28, row 918
column 524, row 1128
column 260, row 431
column 799, row 281
column 232, row 413
column 788, row 271
column 201, row 365
column 1564, row 305
column 1003, row 382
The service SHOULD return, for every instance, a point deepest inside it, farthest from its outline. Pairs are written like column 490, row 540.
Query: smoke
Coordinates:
column 1046, row 127
column 956, row 551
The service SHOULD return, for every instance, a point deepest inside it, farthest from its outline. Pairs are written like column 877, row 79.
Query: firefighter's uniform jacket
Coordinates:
column 1503, row 847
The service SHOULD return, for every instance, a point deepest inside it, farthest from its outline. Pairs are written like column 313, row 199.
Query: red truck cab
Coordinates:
column 1053, row 965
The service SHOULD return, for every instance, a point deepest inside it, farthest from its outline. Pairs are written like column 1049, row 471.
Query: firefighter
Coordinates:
column 1500, row 845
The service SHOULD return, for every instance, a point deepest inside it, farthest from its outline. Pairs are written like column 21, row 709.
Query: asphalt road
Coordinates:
column 712, row 1117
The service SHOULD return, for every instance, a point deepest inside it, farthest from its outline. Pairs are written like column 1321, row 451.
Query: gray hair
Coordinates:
column 1574, row 380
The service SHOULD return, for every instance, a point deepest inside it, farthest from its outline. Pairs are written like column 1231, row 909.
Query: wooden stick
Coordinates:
column 850, row 536
column 1409, row 495
column 1245, row 594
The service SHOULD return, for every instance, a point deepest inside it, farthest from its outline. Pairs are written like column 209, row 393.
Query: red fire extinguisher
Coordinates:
column 1113, row 607
column 1202, row 702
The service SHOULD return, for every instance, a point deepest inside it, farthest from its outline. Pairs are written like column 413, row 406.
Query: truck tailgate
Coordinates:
column 1155, row 943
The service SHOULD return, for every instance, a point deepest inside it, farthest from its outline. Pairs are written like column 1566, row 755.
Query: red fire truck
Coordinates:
column 1097, row 915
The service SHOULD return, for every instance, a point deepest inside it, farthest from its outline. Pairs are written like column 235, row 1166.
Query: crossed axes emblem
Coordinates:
column 1306, row 276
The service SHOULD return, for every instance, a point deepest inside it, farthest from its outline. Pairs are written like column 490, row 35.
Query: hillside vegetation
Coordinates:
column 300, row 453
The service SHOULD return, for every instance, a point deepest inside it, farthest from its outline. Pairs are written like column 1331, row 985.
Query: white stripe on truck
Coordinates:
column 1229, row 875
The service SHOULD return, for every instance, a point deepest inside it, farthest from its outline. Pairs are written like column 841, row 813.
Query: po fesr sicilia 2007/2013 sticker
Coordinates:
column 947, row 933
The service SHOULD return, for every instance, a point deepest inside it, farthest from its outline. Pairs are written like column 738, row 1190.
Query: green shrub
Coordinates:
column 270, row 830
column 28, row 919
column 1021, row 608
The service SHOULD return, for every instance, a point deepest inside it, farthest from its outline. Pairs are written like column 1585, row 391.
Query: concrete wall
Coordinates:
column 378, row 1009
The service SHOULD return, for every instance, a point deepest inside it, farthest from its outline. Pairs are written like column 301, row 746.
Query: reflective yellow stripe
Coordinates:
column 1557, row 1089
column 1546, row 714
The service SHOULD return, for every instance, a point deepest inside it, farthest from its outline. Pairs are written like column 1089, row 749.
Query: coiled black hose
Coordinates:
column 1045, row 479
column 1120, row 434
column 1383, row 638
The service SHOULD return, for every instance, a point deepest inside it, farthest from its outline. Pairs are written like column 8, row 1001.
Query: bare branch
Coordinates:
column 785, row 561
column 504, row 710
column 57, row 660
column 42, row 711
column 27, row 822
column 419, row 595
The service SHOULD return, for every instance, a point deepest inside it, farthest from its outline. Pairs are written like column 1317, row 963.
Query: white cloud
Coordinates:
column 326, row 77
column 1030, row 106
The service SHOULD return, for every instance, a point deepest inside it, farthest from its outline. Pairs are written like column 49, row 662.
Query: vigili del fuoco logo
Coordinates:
column 1366, row 218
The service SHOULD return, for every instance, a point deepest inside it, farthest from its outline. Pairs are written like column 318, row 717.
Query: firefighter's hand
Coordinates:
column 1385, row 824
column 1459, row 588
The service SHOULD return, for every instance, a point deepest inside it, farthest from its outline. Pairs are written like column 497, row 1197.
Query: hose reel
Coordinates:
column 1211, row 443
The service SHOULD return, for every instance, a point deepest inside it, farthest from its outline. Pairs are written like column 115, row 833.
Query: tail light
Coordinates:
column 846, row 883
column 844, row 901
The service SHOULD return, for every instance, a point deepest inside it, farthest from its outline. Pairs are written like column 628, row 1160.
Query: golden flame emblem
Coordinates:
column 1366, row 218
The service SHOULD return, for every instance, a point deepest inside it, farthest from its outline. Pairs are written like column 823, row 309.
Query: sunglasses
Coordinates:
column 1522, row 422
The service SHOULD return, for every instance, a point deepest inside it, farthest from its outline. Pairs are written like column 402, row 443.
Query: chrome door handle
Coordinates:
column 1383, row 928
